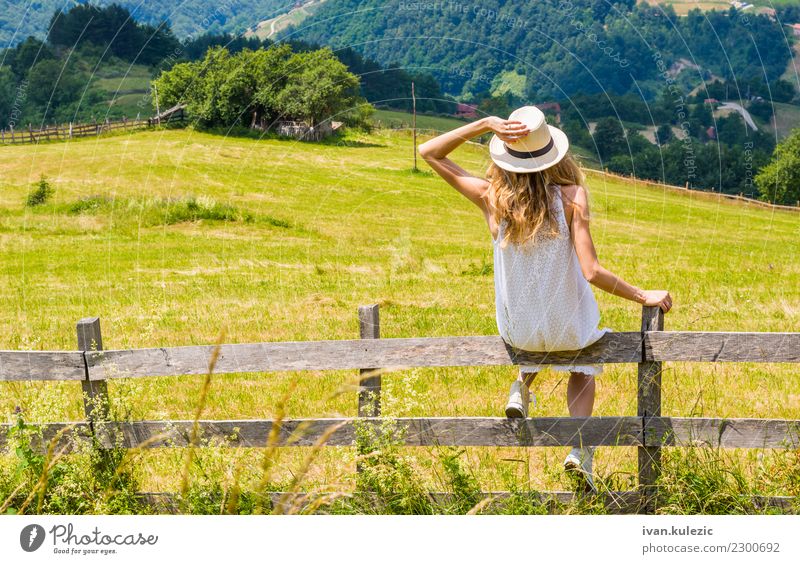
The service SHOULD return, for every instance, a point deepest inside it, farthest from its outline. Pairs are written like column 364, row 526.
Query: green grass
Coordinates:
column 682, row 7
column 788, row 118
column 137, row 79
column 339, row 224
column 126, row 87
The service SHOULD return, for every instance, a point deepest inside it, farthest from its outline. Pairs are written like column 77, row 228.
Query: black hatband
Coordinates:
column 530, row 154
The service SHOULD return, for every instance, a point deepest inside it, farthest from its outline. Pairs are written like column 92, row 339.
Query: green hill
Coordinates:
column 561, row 48
column 188, row 18
column 283, row 240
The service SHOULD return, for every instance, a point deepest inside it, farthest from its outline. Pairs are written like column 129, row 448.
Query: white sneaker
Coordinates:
column 579, row 463
column 518, row 400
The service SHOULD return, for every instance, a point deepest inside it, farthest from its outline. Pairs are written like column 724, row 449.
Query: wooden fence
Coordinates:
column 717, row 195
column 649, row 430
column 94, row 129
column 708, row 194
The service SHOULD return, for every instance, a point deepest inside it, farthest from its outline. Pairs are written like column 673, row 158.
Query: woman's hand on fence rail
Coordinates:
column 660, row 298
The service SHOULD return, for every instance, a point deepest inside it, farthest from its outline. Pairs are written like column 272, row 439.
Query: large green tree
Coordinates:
column 779, row 181
column 7, row 96
column 262, row 85
column 609, row 137
column 318, row 87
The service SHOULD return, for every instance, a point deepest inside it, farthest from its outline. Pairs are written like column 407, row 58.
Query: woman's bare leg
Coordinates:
column 580, row 394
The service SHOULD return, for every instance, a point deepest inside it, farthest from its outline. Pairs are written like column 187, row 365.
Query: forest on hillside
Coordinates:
column 187, row 18
column 639, row 88
column 553, row 49
column 97, row 63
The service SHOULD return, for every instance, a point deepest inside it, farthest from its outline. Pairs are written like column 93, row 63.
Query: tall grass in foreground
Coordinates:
column 92, row 477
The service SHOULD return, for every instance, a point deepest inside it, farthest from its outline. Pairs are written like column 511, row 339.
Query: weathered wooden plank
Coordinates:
column 424, row 431
column 396, row 353
column 726, row 433
column 350, row 354
column 649, row 405
column 455, row 431
column 701, row 346
column 69, row 434
column 41, row 365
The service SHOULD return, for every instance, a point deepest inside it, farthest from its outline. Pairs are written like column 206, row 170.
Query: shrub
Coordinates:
column 40, row 194
column 704, row 481
column 387, row 482
column 89, row 479
column 89, row 204
column 191, row 208
column 462, row 484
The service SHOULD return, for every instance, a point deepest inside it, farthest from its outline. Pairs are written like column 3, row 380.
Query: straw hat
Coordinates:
column 543, row 147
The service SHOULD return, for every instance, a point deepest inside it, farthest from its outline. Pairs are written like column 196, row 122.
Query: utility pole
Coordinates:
column 158, row 111
column 414, row 123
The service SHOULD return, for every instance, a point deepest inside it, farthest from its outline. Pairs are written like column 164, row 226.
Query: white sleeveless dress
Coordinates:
column 543, row 302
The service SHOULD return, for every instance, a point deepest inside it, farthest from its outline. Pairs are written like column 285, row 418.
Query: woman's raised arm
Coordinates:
column 435, row 152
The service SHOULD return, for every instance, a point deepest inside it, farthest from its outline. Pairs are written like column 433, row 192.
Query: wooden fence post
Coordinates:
column 95, row 398
column 649, row 405
column 369, row 394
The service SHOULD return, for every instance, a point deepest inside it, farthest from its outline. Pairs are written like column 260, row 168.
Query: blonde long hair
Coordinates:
column 524, row 202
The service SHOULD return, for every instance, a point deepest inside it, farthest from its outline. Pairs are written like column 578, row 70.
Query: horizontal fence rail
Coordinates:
column 42, row 365
column 695, row 346
column 397, row 353
column 441, row 352
column 445, row 431
column 648, row 431
column 346, row 355
column 417, row 431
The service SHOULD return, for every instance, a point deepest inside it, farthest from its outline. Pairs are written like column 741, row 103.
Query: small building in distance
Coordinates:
column 303, row 131
column 554, row 106
column 466, row 110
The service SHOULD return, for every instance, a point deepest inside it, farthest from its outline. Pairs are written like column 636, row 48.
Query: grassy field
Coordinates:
column 682, row 7
column 787, row 117
column 126, row 87
column 314, row 230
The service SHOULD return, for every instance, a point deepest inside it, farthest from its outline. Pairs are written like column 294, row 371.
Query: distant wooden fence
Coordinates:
column 648, row 430
column 76, row 130
column 395, row 125
column 708, row 194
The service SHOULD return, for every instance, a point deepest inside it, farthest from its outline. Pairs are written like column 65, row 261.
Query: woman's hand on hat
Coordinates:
column 508, row 130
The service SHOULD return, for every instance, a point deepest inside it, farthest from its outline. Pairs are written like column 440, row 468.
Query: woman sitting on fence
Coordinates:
column 536, row 207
